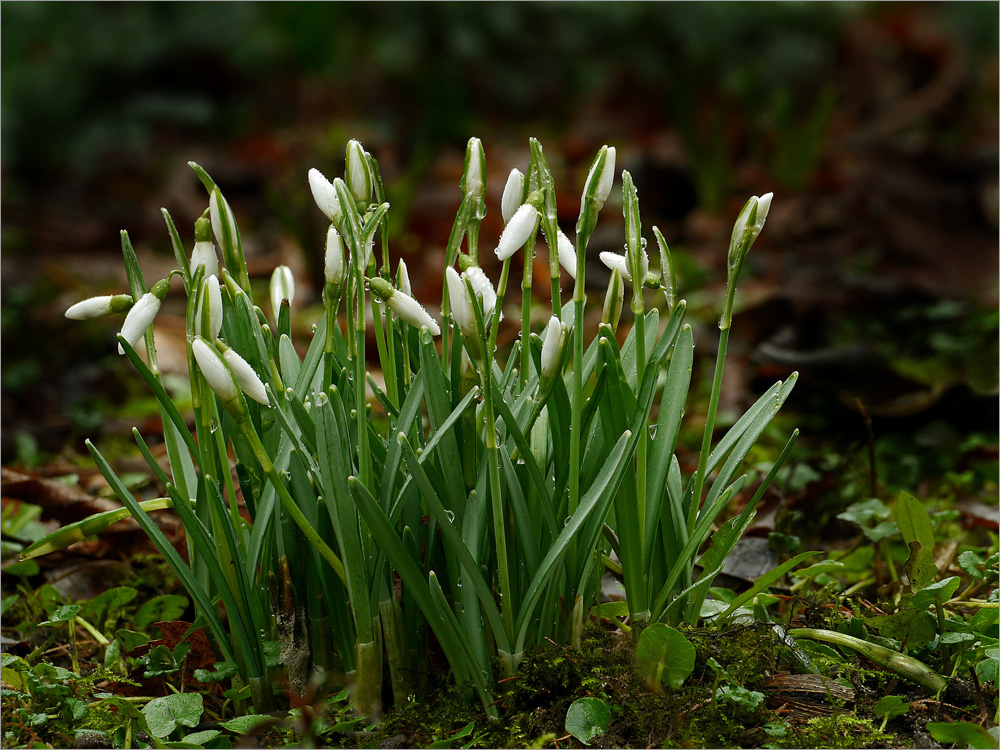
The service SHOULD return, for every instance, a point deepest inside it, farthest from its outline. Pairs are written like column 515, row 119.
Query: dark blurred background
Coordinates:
column 876, row 126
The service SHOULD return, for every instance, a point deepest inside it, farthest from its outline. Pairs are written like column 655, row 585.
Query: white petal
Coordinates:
column 474, row 177
column 607, row 177
column 94, row 307
column 282, row 288
column 139, row 318
column 566, row 253
column 552, row 346
column 520, row 227
column 359, row 176
column 217, row 375
column 246, row 376
column 461, row 305
column 325, row 196
column 513, row 194
column 763, row 206
column 613, row 261
column 403, row 278
column 222, row 218
column 333, row 266
column 213, row 294
column 412, row 312
column 483, row 288
column 204, row 254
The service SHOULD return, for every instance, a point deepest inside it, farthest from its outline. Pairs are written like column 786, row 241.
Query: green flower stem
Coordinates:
column 507, row 602
column 526, row 280
column 287, row 502
column 360, row 385
column 903, row 665
column 706, row 439
column 576, row 397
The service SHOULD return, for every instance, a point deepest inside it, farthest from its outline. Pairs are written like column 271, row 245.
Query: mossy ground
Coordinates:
column 533, row 703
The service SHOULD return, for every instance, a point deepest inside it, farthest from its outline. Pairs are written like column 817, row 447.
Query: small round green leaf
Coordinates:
column 664, row 655
column 588, row 718
column 164, row 715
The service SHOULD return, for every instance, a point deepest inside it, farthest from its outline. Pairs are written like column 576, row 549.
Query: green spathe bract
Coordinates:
column 483, row 499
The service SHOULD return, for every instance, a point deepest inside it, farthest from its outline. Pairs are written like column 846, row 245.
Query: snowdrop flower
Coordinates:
column 744, row 235
column 597, row 188
column 403, row 278
column 513, row 194
column 404, row 306
column 282, row 288
column 325, row 195
column 333, row 263
column 461, row 304
column 203, row 253
column 614, row 300
column 763, row 207
column 552, row 348
column 96, row 307
column 483, row 289
column 211, row 293
column 246, row 376
column 223, row 221
column 566, row 253
column 475, row 165
column 140, row 317
column 521, row 226
column 358, row 173
column 215, row 371
column 614, row 261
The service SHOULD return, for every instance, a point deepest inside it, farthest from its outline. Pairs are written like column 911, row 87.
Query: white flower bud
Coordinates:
column 461, row 306
column 94, row 307
column 139, row 318
column 763, row 206
column 620, row 262
column 404, row 306
column 521, row 226
column 212, row 293
column 223, row 221
column 607, row 178
column 483, row 289
column 333, row 265
column 325, row 196
column 246, row 376
column 403, row 278
column 204, row 255
column 552, row 346
column 358, row 173
column 513, row 194
column 472, row 179
column 614, row 261
column 567, row 254
column 598, row 185
column 282, row 288
column 215, row 371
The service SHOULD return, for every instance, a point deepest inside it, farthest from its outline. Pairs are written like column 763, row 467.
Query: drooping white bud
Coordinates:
column 620, row 262
column 521, row 226
column 461, row 305
column 358, row 172
column 567, row 254
column 483, row 289
column 325, row 196
column 93, row 307
column 552, row 347
column 614, row 261
column 140, row 317
column 404, row 306
column 513, row 194
column 212, row 293
column 215, row 371
column 403, row 278
column 282, row 288
column 333, row 264
column 246, row 376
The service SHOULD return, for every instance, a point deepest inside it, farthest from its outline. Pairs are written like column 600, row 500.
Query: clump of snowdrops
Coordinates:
column 475, row 497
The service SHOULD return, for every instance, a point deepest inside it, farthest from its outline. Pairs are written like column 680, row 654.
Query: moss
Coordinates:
column 835, row 731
